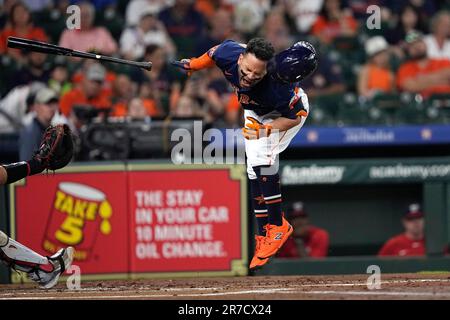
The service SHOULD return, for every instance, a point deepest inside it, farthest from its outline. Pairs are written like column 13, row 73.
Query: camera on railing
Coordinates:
column 126, row 138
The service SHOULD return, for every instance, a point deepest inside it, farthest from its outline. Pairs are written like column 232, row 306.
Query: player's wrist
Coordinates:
column 35, row 166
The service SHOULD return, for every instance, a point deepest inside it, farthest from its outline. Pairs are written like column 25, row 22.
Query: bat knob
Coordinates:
column 148, row 66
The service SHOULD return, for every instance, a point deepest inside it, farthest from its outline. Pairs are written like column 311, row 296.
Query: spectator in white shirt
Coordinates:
column 304, row 13
column 136, row 7
column 438, row 43
column 150, row 30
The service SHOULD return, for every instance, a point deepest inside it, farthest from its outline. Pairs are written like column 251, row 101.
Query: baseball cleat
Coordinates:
column 257, row 262
column 275, row 238
column 3, row 239
column 61, row 261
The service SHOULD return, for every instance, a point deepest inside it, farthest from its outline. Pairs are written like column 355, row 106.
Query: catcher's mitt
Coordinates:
column 56, row 149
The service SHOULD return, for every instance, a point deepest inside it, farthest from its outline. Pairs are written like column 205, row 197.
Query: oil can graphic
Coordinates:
column 79, row 214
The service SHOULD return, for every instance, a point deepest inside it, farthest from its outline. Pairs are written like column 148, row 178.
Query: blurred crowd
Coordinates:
column 408, row 52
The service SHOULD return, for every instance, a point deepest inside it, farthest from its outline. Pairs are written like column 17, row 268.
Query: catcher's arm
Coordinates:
column 3, row 175
column 55, row 152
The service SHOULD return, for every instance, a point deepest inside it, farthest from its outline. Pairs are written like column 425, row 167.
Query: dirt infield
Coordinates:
column 398, row 286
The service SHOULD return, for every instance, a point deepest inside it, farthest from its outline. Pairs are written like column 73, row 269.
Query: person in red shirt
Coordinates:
column 420, row 74
column 307, row 241
column 412, row 241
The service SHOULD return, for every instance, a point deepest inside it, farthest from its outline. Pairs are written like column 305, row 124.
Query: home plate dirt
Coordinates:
column 393, row 286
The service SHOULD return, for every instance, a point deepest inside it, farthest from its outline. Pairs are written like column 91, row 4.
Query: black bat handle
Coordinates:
column 144, row 65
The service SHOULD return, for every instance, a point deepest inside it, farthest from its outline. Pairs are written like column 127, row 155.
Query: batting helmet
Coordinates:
column 295, row 63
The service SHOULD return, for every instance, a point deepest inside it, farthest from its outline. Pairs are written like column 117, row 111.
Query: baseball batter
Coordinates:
column 275, row 108
column 55, row 152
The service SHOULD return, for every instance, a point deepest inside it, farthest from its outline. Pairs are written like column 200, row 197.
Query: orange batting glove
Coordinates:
column 255, row 129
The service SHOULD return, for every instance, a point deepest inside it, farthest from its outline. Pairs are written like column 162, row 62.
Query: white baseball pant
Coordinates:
column 264, row 151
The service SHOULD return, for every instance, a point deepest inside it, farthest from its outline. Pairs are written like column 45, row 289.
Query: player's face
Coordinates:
column 45, row 112
column 417, row 50
column 301, row 226
column 414, row 227
column 251, row 70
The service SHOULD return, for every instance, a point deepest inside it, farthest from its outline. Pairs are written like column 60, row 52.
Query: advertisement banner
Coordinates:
column 311, row 136
column 86, row 210
column 136, row 220
column 365, row 171
column 369, row 136
column 187, row 220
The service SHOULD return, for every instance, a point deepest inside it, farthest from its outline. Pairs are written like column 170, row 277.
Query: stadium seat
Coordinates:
column 378, row 116
column 412, row 113
column 438, row 108
column 390, row 101
column 319, row 116
column 441, row 100
column 351, row 113
column 329, row 102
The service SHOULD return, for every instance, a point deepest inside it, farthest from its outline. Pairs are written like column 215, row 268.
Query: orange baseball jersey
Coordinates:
column 266, row 96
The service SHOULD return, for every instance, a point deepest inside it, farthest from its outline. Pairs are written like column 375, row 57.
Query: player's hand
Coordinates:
column 255, row 129
column 184, row 65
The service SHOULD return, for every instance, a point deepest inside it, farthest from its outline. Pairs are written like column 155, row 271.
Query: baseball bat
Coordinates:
column 43, row 47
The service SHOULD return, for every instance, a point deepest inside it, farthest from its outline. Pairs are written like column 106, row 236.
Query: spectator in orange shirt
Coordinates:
column 139, row 108
column 420, row 74
column 307, row 241
column 334, row 21
column 123, row 92
column 88, row 93
column 375, row 76
column 20, row 24
column 412, row 241
column 149, row 96
column 80, row 73
column 136, row 109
